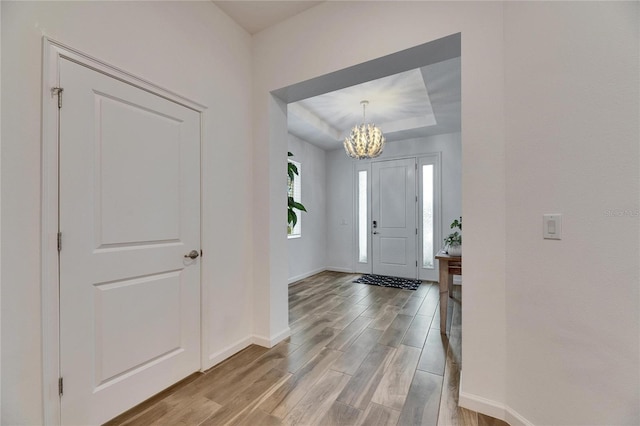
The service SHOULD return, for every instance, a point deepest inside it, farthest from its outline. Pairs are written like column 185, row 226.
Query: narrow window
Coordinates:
column 427, row 216
column 362, row 216
column 294, row 189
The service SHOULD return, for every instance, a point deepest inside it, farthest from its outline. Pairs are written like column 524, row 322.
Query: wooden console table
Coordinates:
column 449, row 266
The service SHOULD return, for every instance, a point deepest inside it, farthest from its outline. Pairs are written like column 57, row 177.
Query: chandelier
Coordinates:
column 365, row 140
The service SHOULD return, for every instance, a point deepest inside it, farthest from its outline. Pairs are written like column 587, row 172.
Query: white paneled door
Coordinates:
column 129, row 213
column 393, row 216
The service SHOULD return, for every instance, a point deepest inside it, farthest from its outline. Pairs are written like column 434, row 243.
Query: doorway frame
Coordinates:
column 366, row 165
column 52, row 52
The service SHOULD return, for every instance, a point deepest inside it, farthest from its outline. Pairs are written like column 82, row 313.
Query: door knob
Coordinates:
column 192, row 254
column 375, row 232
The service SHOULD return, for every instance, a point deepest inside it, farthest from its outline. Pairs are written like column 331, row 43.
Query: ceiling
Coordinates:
column 417, row 103
column 255, row 16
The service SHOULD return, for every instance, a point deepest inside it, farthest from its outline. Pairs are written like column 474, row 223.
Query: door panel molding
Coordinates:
column 53, row 53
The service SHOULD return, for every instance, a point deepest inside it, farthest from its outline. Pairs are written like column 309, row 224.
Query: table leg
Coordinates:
column 450, row 283
column 444, row 294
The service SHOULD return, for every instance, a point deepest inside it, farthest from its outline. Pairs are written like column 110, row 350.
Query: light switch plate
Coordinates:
column 552, row 226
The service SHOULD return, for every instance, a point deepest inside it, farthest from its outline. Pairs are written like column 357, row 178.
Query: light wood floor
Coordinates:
column 357, row 355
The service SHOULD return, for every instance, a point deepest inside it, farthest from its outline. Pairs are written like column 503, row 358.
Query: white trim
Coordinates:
column 515, row 419
column 292, row 280
column 48, row 241
column 492, row 408
column 217, row 357
column 0, row 222
column 52, row 53
column 204, row 290
column 481, row 405
column 340, row 269
column 274, row 340
column 66, row 52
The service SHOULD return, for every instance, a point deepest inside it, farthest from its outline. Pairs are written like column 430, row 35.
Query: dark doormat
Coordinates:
column 384, row 281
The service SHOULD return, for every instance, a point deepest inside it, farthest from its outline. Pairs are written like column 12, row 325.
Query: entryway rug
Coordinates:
column 384, row 281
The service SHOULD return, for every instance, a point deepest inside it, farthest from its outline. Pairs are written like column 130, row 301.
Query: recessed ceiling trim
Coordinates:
column 313, row 120
column 415, row 57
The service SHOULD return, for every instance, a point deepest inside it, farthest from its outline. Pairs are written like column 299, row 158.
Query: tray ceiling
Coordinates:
column 417, row 103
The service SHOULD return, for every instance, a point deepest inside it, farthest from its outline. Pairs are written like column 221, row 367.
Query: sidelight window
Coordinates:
column 294, row 189
column 427, row 216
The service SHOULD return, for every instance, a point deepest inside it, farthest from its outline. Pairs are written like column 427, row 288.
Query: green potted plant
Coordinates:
column 453, row 242
column 292, row 172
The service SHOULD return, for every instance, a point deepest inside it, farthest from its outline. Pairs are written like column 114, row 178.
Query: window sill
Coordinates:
column 291, row 237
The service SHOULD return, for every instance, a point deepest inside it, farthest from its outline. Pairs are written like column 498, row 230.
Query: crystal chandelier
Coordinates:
column 365, row 140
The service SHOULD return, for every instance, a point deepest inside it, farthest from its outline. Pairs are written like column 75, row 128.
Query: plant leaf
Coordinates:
column 298, row 206
column 293, row 218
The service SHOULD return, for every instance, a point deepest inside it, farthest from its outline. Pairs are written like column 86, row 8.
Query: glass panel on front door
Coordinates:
column 427, row 216
column 362, row 216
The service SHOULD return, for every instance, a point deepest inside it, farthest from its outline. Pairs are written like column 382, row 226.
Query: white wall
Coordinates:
column 559, row 84
column 188, row 47
column 307, row 254
column 341, row 191
column 0, row 222
column 568, row 76
column 301, row 48
column 340, row 219
column 572, row 111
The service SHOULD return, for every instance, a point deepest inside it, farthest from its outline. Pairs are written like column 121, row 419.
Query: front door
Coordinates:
column 393, row 217
column 129, row 212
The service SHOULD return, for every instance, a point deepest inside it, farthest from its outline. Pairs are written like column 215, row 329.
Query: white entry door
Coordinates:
column 393, row 217
column 129, row 212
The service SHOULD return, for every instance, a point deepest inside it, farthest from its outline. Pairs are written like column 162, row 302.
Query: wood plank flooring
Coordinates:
column 357, row 355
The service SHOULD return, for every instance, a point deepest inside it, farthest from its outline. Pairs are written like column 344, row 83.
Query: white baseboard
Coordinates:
column 218, row 357
column 274, row 340
column 339, row 269
column 305, row 275
column 482, row 405
column 515, row 419
column 492, row 408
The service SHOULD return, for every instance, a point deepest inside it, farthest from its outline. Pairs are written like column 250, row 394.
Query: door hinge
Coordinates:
column 59, row 241
column 200, row 253
column 60, row 386
column 416, row 198
column 416, row 263
column 57, row 91
column 416, row 231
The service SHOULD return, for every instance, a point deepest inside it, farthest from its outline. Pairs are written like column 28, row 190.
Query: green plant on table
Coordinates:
column 455, row 238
